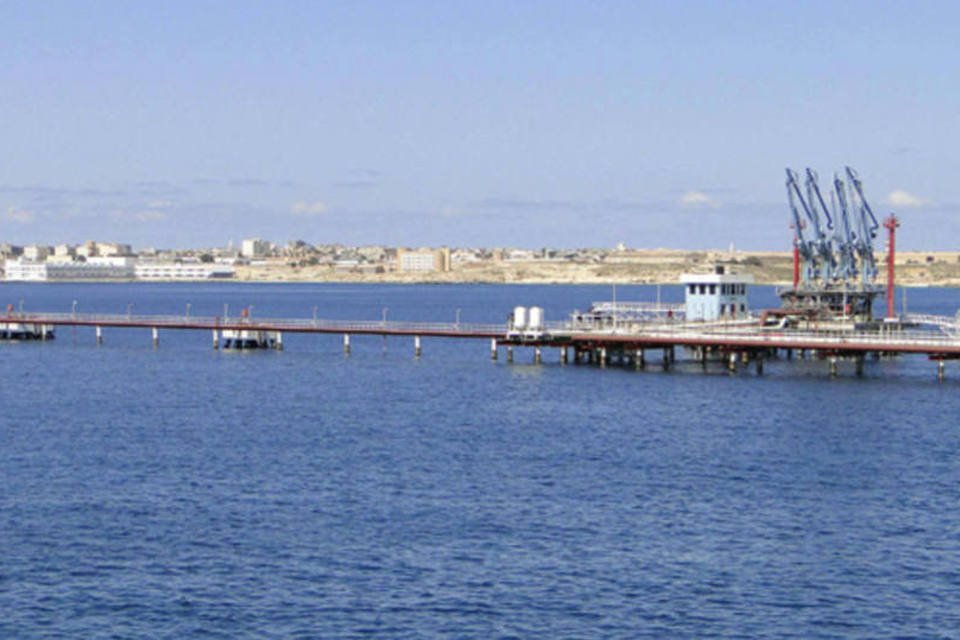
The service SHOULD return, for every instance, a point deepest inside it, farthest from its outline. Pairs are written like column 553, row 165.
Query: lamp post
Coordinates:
column 73, row 309
column 129, row 309
column 458, row 319
column 188, row 311
column 314, row 315
column 384, row 318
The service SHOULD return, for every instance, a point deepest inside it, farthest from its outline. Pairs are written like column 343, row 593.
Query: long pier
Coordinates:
column 744, row 341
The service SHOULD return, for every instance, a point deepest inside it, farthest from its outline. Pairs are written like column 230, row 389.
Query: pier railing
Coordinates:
column 928, row 341
column 293, row 325
column 943, row 338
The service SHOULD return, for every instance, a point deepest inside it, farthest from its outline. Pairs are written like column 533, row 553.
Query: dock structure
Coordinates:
column 627, row 341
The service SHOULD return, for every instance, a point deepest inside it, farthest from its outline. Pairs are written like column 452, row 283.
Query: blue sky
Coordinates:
column 658, row 124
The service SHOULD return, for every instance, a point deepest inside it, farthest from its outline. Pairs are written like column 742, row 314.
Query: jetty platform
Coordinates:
column 734, row 342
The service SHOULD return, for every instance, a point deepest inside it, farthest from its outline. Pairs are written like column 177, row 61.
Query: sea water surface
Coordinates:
column 183, row 492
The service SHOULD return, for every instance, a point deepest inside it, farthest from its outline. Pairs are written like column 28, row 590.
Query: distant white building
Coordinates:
column 423, row 260
column 64, row 251
column 88, row 249
column 182, row 271
column 36, row 252
column 92, row 269
column 254, row 248
column 110, row 249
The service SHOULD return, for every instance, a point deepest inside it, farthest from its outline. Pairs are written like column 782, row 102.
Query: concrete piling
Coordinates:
column 493, row 348
column 416, row 346
column 156, row 337
column 99, row 331
column 346, row 344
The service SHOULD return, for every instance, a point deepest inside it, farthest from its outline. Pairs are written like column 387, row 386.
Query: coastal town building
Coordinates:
column 254, row 248
column 96, row 268
column 36, row 252
column 182, row 271
column 64, row 251
column 423, row 260
column 8, row 250
column 88, row 249
column 110, row 249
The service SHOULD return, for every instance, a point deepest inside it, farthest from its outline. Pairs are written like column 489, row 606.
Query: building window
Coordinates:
column 692, row 288
column 703, row 289
column 713, row 289
column 743, row 307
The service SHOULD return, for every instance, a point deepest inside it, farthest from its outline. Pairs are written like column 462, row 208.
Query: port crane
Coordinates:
column 823, row 243
column 846, row 238
column 835, row 254
column 867, row 227
column 815, row 252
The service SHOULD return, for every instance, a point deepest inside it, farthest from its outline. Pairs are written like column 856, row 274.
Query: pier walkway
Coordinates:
column 287, row 325
column 744, row 340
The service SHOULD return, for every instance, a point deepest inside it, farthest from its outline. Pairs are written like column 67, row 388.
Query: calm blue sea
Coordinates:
column 189, row 493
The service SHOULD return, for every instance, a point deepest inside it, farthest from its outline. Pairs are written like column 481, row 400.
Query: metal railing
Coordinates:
column 773, row 336
column 266, row 324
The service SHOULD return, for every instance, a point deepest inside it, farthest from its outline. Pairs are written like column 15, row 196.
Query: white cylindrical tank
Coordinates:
column 519, row 318
column 535, row 320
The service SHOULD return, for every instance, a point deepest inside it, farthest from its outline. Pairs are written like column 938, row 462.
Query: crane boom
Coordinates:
column 823, row 245
column 846, row 238
column 804, row 246
column 868, row 225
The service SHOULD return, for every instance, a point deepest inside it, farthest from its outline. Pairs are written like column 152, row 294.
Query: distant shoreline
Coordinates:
column 632, row 267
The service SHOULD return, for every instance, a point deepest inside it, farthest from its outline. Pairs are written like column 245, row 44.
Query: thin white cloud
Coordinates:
column 308, row 208
column 150, row 216
column 697, row 199
column 906, row 200
column 452, row 212
column 20, row 216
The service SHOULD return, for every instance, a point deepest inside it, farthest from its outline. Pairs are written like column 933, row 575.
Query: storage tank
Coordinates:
column 519, row 318
column 535, row 320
